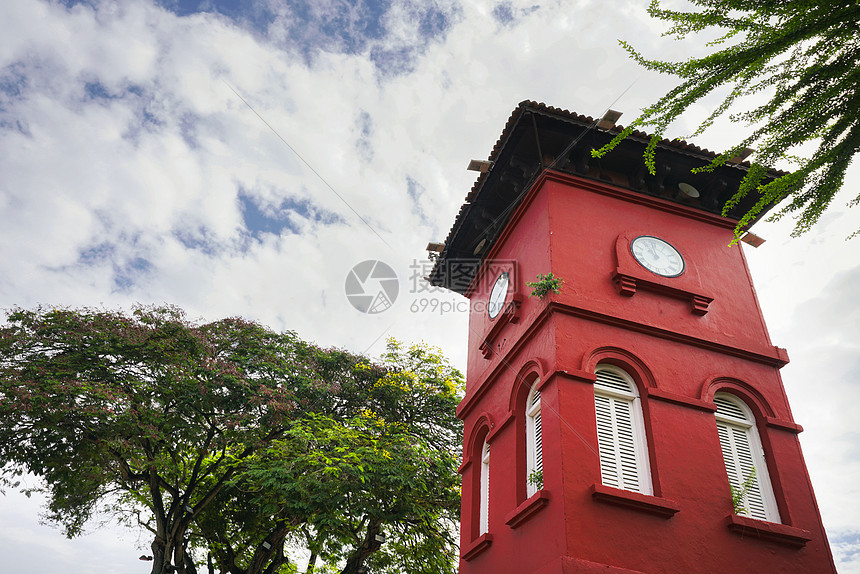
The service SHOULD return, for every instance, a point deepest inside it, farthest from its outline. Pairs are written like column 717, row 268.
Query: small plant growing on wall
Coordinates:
column 545, row 284
column 738, row 494
column 536, row 478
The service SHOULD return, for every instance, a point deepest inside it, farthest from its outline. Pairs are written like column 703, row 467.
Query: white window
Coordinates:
column 485, row 489
column 534, row 443
column 744, row 459
column 620, row 431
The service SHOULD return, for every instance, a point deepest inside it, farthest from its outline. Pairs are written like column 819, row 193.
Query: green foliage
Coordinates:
column 388, row 468
column 803, row 55
column 230, row 438
column 544, row 284
column 739, row 494
column 536, row 478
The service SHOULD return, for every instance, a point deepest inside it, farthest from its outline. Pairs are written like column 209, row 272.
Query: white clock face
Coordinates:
column 498, row 296
column 657, row 256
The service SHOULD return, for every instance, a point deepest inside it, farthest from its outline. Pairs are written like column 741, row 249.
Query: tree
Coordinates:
column 804, row 55
column 171, row 424
column 390, row 470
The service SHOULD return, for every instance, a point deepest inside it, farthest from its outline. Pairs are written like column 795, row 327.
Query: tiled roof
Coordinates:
column 561, row 129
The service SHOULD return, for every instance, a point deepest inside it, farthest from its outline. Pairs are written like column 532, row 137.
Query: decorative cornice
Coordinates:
column 508, row 420
column 682, row 400
column 476, row 547
column 783, row 425
column 661, row 507
column 781, row 533
column 778, row 359
column 636, row 197
column 510, row 314
column 528, row 509
column 469, row 401
column 577, row 375
column 628, row 284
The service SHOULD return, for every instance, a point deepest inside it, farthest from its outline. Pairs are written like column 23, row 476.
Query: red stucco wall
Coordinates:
column 679, row 356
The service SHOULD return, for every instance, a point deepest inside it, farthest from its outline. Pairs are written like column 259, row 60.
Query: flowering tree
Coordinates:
column 172, row 425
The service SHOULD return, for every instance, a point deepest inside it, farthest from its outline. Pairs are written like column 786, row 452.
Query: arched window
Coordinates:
column 534, row 443
column 620, row 431
column 485, row 489
column 743, row 455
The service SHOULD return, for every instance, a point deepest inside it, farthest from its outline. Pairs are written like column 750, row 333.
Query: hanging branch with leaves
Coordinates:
column 803, row 55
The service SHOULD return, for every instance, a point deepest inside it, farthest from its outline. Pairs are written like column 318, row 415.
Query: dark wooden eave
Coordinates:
column 538, row 137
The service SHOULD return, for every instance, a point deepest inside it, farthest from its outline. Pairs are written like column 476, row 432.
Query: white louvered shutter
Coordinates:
column 744, row 458
column 534, row 439
column 620, row 433
column 538, row 434
column 485, row 489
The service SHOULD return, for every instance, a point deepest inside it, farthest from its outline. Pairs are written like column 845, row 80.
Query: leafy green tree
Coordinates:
column 803, row 55
column 389, row 470
column 177, row 426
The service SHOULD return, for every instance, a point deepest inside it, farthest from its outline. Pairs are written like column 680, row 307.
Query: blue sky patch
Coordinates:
column 364, row 125
column 433, row 22
column 197, row 240
column 150, row 120
column 259, row 221
column 304, row 25
column 126, row 276
column 345, row 26
column 96, row 254
column 73, row 3
column 308, row 27
column 415, row 190
column 348, row 26
column 260, row 218
column 394, row 61
column 186, row 7
column 506, row 14
column 256, row 14
column 231, row 8
column 188, row 129
column 96, row 90
column 847, row 542
column 13, row 80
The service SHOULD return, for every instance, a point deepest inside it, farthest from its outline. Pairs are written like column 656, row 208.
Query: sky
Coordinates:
column 241, row 158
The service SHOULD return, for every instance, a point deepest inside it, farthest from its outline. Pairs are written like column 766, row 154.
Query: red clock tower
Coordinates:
column 636, row 421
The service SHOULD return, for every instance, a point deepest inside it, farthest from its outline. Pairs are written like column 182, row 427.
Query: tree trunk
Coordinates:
column 271, row 555
column 158, row 551
column 367, row 547
column 190, row 567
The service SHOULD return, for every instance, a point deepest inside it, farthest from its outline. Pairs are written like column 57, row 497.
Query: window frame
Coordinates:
column 534, row 438
column 638, row 437
column 749, row 428
column 484, row 504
